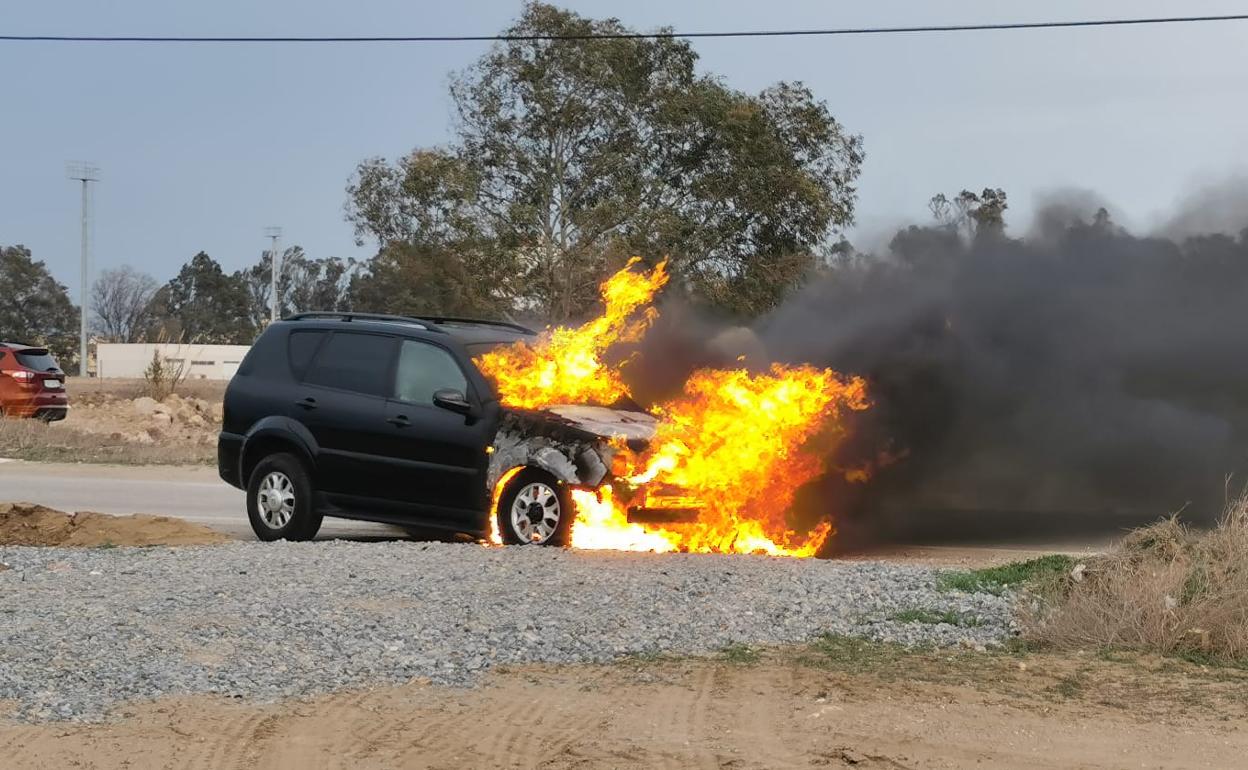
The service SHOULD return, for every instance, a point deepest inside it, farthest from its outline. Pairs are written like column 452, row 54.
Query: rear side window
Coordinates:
column 300, row 348
column 424, row 369
column 39, row 360
column 354, row 362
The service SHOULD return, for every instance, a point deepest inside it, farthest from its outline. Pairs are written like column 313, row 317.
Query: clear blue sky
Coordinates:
column 203, row 146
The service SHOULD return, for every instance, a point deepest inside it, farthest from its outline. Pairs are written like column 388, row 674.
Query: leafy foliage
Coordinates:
column 303, row 284
column 34, row 307
column 571, row 156
column 204, row 304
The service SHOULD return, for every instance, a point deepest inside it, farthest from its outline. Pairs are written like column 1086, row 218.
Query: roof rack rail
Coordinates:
column 444, row 319
column 348, row 315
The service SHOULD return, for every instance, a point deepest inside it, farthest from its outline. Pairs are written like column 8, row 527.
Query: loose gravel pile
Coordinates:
column 81, row 630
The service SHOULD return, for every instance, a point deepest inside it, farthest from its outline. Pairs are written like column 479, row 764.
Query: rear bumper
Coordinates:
column 50, row 406
column 229, row 450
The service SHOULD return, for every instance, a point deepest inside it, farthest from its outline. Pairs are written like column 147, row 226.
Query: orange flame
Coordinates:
column 739, row 442
column 743, row 444
column 565, row 366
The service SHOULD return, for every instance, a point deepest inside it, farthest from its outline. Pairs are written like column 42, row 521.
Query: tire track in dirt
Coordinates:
column 679, row 723
column 224, row 749
column 561, row 722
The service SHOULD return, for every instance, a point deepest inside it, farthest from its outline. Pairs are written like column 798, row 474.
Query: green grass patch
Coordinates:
column 740, row 654
column 856, row 654
column 995, row 580
column 932, row 617
column 1210, row 661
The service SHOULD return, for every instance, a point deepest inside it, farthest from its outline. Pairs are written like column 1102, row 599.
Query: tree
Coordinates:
column 302, row 284
column 412, row 279
column 204, row 304
column 976, row 215
column 122, row 302
column 34, row 307
column 572, row 155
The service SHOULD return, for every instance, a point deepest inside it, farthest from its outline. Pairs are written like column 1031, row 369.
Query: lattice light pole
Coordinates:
column 85, row 173
column 274, row 234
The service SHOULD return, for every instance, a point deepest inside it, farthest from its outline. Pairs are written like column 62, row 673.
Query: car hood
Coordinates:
column 606, row 422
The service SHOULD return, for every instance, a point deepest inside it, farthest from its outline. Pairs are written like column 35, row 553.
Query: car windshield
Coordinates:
column 39, row 360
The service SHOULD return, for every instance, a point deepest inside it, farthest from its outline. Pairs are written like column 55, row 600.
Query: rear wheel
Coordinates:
column 279, row 500
column 535, row 509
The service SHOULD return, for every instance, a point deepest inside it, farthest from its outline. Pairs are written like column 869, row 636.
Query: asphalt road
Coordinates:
column 194, row 494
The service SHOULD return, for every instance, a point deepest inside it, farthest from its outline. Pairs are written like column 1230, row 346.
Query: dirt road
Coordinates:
column 701, row 713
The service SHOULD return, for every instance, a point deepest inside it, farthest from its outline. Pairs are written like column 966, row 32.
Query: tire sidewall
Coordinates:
column 304, row 521
column 563, row 533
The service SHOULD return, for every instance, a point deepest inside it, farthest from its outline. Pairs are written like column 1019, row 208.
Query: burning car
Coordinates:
column 488, row 428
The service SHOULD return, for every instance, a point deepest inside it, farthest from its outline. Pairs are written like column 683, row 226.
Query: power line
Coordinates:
column 623, row 35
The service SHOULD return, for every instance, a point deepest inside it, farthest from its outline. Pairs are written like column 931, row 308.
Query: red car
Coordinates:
column 31, row 383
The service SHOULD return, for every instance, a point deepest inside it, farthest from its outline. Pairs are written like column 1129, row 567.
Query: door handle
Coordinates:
column 306, row 403
column 399, row 421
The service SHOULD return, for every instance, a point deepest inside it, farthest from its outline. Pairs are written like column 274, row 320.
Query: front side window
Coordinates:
column 354, row 362
column 425, row 369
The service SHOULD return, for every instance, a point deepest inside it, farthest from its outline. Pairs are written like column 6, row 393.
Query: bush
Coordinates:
column 1164, row 588
column 163, row 376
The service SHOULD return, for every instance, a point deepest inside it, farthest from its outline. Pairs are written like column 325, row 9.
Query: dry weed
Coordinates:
column 1164, row 588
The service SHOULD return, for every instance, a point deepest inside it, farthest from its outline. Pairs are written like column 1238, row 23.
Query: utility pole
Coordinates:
column 85, row 173
column 274, row 234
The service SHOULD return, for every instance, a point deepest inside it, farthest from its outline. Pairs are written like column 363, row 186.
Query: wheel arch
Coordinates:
column 273, row 435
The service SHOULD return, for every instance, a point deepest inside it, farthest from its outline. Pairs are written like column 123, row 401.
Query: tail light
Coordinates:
column 22, row 376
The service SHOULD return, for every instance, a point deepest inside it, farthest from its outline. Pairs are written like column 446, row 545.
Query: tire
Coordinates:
column 279, row 500
column 535, row 509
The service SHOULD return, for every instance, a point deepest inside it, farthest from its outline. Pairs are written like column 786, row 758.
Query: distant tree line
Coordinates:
column 202, row 303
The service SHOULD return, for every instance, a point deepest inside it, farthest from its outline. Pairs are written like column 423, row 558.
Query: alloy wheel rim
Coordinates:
column 276, row 500
column 535, row 513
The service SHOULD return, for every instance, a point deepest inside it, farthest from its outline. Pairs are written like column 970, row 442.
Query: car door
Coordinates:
column 437, row 444
column 341, row 400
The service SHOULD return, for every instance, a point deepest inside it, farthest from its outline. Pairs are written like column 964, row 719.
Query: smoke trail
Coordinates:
column 1082, row 370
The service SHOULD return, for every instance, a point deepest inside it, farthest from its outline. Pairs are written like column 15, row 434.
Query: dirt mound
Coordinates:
column 143, row 420
column 29, row 524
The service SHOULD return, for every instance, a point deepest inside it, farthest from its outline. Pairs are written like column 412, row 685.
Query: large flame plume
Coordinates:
column 739, row 442
column 742, row 443
column 566, row 366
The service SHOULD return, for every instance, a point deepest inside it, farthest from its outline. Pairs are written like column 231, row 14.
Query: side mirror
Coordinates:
column 452, row 400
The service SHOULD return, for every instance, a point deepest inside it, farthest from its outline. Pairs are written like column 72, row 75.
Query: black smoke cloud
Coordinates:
column 1082, row 374
column 1074, row 381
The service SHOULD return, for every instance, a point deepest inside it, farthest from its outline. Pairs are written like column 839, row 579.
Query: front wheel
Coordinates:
column 535, row 509
column 279, row 500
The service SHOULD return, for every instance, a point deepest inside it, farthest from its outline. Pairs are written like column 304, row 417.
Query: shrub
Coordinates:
column 1163, row 588
column 163, row 376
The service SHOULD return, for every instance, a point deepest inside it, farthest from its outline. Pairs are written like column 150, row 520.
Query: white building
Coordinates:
column 199, row 362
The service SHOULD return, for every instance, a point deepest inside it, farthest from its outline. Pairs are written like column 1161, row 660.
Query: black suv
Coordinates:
column 386, row 418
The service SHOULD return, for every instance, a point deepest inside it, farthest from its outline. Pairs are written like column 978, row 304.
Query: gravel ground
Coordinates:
column 81, row 630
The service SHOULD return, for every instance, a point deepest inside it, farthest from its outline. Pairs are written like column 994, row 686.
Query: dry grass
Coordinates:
column 1164, row 588
column 94, row 391
column 33, row 440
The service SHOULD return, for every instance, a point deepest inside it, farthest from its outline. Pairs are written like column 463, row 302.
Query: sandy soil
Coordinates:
column 29, row 524
column 111, row 421
column 783, row 711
